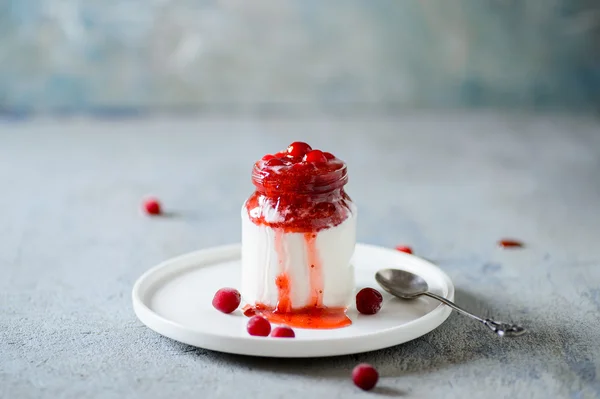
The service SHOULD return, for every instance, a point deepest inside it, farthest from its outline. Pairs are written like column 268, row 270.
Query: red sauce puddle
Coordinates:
column 313, row 318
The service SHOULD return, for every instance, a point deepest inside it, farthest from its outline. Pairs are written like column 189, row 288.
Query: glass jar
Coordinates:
column 298, row 236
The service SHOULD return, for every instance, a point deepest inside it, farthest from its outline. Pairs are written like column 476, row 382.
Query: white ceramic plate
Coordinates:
column 175, row 300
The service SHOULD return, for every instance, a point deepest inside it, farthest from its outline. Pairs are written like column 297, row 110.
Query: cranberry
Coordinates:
column 258, row 326
column 508, row 243
column 298, row 149
column 283, row 332
column 329, row 156
column 274, row 162
column 280, row 184
column 365, row 376
column 267, row 157
column 226, row 300
column 404, row 248
column 152, row 206
column 368, row 301
column 315, row 156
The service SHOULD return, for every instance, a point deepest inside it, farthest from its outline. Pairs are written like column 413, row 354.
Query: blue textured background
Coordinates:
column 139, row 55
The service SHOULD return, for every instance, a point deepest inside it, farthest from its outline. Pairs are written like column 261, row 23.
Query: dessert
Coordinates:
column 298, row 235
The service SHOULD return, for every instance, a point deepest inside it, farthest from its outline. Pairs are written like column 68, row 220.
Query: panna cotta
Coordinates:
column 298, row 236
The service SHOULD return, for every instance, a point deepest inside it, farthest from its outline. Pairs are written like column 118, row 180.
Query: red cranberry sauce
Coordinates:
column 319, row 318
column 299, row 191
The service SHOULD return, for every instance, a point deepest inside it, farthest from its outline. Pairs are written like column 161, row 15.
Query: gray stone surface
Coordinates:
column 72, row 242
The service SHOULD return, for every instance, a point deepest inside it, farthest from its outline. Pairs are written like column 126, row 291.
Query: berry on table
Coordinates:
column 365, row 376
column 510, row 243
column 226, row 300
column 258, row 326
column 404, row 248
column 152, row 206
column 368, row 301
column 283, row 332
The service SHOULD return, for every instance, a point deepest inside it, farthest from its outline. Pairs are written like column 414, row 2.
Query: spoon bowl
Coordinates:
column 401, row 283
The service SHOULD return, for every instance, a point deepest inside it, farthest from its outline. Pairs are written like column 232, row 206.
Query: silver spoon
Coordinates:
column 406, row 285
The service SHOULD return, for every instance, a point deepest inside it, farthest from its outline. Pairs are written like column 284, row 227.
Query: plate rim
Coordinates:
column 303, row 348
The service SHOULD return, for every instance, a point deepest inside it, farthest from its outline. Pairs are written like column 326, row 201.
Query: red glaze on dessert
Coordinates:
column 307, row 190
column 300, row 190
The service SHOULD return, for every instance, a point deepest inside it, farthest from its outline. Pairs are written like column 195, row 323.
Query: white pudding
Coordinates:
column 317, row 261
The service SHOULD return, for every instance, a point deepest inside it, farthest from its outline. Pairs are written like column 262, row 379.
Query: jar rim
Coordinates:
column 289, row 180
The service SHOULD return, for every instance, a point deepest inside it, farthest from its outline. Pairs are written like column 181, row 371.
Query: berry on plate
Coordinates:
column 258, row 326
column 283, row 332
column 368, row 301
column 226, row 300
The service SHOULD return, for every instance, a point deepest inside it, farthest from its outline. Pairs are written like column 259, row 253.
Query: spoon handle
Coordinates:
column 500, row 328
